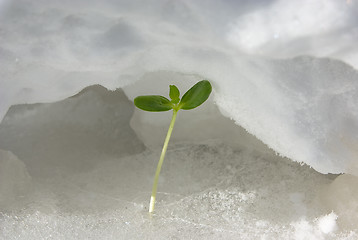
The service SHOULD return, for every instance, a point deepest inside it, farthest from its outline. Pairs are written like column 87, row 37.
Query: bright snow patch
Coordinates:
column 327, row 224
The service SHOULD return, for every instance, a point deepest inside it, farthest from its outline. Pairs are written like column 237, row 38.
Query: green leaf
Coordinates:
column 196, row 95
column 174, row 94
column 153, row 103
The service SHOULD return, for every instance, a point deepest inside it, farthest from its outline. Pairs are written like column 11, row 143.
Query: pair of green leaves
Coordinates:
column 193, row 98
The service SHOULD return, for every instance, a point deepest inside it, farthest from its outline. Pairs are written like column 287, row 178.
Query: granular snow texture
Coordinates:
column 206, row 191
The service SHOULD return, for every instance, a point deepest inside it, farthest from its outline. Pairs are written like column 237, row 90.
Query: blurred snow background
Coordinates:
column 284, row 71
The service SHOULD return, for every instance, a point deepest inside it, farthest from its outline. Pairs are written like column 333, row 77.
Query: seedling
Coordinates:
column 193, row 98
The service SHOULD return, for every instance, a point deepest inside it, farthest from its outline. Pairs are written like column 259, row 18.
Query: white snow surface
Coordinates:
column 251, row 163
column 304, row 108
column 84, row 174
column 206, row 191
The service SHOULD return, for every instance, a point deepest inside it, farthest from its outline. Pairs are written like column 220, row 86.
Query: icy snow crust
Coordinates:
column 207, row 191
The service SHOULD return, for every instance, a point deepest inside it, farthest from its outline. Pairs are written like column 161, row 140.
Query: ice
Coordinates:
column 285, row 82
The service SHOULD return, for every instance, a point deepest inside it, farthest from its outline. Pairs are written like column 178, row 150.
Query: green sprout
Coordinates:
column 193, row 98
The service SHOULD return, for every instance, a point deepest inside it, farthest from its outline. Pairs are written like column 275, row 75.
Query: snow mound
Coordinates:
column 304, row 108
column 72, row 133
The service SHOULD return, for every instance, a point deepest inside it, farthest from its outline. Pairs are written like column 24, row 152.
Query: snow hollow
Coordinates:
column 273, row 154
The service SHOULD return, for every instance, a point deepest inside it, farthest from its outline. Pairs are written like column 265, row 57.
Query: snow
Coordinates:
column 210, row 187
column 285, row 82
column 327, row 223
column 51, row 50
column 15, row 181
column 72, row 133
column 342, row 196
column 207, row 191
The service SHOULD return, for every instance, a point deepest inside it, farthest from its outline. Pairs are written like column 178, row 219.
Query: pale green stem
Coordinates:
column 161, row 159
